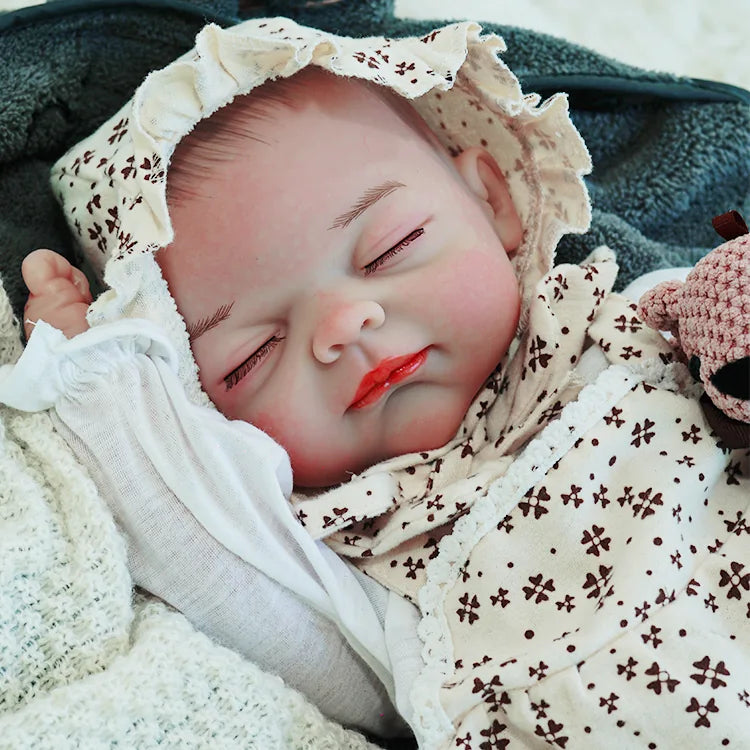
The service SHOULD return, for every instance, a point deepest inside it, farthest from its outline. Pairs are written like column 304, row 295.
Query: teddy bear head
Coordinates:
column 709, row 316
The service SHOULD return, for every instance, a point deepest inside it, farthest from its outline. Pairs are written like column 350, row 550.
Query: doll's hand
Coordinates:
column 59, row 294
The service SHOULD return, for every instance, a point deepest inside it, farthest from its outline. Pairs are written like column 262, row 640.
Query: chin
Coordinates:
column 430, row 431
column 319, row 478
column 318, row 475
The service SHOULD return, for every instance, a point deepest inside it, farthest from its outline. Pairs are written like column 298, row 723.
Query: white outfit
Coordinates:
column 172, row 469
column 87, row 664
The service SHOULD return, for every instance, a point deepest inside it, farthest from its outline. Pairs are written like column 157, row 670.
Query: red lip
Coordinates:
column 389, row 372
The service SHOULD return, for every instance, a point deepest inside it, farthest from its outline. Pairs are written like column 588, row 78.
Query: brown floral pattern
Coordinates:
column 633, row 614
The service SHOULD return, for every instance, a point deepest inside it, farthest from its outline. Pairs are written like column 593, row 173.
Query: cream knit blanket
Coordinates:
column 85, row 664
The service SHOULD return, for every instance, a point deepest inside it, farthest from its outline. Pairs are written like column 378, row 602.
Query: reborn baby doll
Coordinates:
column 518, row 452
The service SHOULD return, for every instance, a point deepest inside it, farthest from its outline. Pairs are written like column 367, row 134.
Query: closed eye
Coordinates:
column 393, row 251
column 244, row 369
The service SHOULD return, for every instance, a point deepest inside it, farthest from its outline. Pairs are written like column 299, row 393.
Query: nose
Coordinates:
column 341, row 325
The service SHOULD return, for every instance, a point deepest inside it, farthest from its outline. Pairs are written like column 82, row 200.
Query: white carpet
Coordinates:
column 698, row 38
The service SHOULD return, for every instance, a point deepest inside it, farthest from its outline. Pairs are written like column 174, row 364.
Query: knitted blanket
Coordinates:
column 82, row 662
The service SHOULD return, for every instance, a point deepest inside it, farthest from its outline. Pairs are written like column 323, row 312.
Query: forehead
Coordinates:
column 325, row 122
column 305, row 166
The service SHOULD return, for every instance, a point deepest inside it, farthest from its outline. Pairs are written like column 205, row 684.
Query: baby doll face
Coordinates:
column 346, row 285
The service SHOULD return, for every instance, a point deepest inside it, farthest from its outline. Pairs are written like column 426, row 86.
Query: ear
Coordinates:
column 483, row 176
column 659, row 307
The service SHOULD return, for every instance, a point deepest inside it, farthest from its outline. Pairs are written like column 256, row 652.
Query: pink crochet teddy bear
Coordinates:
column 709, row 316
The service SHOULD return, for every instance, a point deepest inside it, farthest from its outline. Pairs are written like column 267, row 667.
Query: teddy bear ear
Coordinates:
column 659, row 307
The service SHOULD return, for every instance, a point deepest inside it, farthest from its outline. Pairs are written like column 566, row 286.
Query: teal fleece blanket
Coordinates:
column 669, row 153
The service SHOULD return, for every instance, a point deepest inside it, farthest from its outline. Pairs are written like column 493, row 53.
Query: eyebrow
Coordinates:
column 369, row 197
column 206, row 324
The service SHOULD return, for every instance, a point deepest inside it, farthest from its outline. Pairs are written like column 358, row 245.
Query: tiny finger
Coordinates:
column 59, row 291
column 40, row 266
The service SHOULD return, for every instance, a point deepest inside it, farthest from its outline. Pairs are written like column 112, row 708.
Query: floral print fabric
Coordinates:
column 611, row 606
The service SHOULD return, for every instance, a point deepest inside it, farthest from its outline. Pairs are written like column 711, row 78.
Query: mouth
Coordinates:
column 389, row 372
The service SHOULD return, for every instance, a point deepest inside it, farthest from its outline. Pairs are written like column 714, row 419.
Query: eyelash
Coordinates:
column 254, row 359
column 395, row 250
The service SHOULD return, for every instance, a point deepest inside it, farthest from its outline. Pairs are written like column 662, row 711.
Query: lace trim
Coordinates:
column 431, row 724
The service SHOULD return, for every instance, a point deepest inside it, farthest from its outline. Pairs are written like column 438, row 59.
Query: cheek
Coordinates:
column 426, row 426
column 287, row 410
column 314, row 445
column 281, row 425
column 288, row 432
column 476, row 293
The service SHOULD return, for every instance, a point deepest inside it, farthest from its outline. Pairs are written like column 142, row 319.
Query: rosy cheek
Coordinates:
column 467, row 292
column 289, row 431
column 316, row 452
column 274, row 424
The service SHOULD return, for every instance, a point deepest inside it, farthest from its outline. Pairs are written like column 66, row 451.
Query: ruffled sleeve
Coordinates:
column 197, row 496
column 53, row 367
